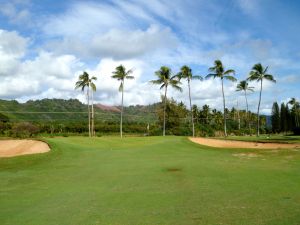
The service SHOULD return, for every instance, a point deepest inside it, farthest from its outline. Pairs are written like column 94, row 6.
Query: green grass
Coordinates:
column 277, row 138
column 150, row 180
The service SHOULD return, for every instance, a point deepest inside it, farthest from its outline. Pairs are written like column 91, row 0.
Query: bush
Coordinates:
column 296, row 131
column 24, row 130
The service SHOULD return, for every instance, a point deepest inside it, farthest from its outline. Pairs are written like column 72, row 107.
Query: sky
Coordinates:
column 45, row 45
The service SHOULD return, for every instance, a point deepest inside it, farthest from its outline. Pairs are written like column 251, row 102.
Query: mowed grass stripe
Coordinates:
column 149, row 180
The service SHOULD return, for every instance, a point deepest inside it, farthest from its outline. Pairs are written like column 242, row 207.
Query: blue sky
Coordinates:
column 45, row 45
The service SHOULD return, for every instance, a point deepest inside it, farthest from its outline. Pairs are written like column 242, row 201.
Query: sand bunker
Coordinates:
column 241, row 144
column 10, row 148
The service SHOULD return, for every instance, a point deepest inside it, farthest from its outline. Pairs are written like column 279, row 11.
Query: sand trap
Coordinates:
column 10, row 148
column 241, row 144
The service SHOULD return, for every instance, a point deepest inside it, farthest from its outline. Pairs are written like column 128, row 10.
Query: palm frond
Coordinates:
column 176, row 87
column 254, row 76
column 163, row 85
column 156, row 81
column 269, row 77
column 229, row 72
column 93, row 86
column 231, row 78
column 197, row 77
column 211, row 75
column 129, row 77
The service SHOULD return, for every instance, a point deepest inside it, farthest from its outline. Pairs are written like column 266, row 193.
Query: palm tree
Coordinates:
column 186, row 73
column 259, row 73
column 165, row 79
column 84, row 81
column 121, row 74
column 295, row 108
column 93, row 89
column 218, row 71
column 244, row 86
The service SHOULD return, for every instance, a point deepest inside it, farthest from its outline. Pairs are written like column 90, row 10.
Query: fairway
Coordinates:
column 149, row 180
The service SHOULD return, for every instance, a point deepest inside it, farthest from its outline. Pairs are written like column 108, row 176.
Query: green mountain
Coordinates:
column 72, row 110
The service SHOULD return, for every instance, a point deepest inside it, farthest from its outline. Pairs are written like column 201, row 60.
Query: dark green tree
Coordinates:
column 244, row 86
column 275, row 118
column 283, row 118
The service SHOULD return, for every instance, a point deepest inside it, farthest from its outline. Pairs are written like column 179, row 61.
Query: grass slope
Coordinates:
column 152, row 180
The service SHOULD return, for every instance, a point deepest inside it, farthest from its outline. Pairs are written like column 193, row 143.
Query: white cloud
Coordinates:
column 119, row 43
column 12, row 49
column 15, row 12
column 47, row 65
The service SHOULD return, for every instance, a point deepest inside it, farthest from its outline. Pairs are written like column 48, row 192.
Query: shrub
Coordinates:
column 24, row 130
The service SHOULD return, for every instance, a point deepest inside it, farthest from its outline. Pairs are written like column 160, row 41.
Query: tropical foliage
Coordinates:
column 218, row 71
column 244, row 86
column 166, row 79
column 260, row 73
column 186, row 73
column 86, row 82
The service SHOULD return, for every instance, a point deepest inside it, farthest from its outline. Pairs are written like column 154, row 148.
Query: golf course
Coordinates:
column 149, row 180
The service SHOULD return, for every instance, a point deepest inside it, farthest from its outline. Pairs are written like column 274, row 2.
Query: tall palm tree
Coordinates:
column 244, row 86
column 295, row 108
column 218, row 71
column 121, row 74
column 186, row 73
column 259, row 73
column 165, row 79
column 84, row 81
column 93, row 89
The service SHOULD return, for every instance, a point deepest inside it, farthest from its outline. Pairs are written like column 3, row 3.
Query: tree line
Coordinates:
column 166, row 79
column 285, row 118
column 207, row 121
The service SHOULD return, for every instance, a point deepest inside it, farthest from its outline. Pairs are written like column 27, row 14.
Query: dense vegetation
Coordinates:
column 284, row 119
column 65, row 117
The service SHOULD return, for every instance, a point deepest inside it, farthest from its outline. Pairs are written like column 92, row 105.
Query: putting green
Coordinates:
column 149, row 180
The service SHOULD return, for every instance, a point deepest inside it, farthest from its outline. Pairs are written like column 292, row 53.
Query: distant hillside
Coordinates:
column 72, row 110
column 108, row 108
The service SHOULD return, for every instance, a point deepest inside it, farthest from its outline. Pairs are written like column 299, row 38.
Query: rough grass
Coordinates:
column 150, row 180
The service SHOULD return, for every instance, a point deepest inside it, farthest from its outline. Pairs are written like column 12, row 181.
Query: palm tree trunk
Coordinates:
column 259, row 107
column 238, row 115
column 192, row 116
column 165, row 104
column 121, row 123
column 93, row 115
column 225, row 128
column 247, row 113
column 89, row 113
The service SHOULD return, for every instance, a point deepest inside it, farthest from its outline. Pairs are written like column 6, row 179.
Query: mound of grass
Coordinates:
column 149, row 180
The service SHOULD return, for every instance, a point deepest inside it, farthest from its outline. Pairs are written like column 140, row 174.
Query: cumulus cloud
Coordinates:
column 118, row 43
column 12, row 49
